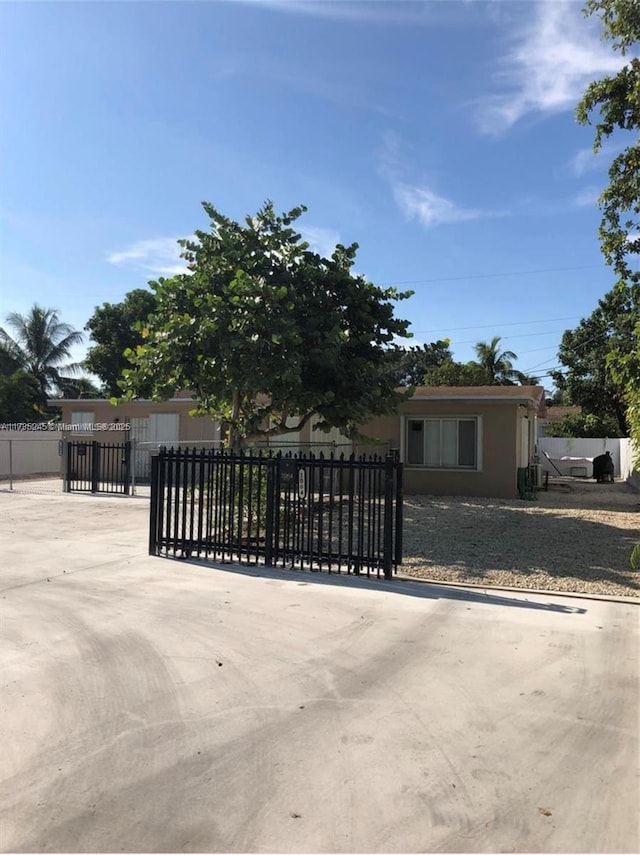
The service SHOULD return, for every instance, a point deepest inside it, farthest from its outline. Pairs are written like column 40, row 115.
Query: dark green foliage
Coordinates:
column 267, row 334
column 20, row 399
column 458, row 374
column 585, row 425
column 408, row 366
column 558, row 399
column 493, row 368
column 79, row 387
column 588, row 380
column 499, row 365
column 41, row 346
column 614, row 101
column 624, row 368
column 114, row 329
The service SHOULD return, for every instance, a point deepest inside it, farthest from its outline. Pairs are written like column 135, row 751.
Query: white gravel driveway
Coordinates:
column 576, row 537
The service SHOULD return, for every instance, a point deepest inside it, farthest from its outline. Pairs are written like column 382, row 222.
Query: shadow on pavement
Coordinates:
column 403, row 587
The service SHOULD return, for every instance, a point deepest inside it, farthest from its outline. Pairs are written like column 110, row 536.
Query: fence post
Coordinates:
column 399, row 511
column 132, row 464
column 95, row 465
column 11, row 464
column 387, row 554
column 67, row 465
column 127, row 467
column 272, row 482
column 153, row 515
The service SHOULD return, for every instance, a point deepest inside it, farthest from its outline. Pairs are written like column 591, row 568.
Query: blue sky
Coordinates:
column 438, row 135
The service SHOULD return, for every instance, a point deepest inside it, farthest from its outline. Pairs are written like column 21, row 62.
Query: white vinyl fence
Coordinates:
column 584, row 450
column 23, row 454
column 627, row 470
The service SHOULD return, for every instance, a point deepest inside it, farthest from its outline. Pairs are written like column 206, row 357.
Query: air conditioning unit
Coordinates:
column 536, row 475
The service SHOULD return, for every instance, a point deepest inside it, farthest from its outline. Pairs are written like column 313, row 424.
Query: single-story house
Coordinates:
column 164, row 423
column 149, row 423
column 454, row 440
column 465, row 440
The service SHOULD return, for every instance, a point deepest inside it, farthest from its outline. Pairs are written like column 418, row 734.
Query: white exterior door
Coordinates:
column 524, row 442
column 164, row 428
column 142, row 457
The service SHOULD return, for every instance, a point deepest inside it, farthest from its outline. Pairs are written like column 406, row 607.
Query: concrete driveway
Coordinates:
column 159, row 706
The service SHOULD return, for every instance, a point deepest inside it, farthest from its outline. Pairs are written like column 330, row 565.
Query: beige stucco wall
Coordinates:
column 191, row 428
column 499, row 448
column 501, row 424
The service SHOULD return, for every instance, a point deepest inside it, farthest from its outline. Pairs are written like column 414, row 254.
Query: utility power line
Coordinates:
column 493, row 275
column 493, row 326
column 505, row 338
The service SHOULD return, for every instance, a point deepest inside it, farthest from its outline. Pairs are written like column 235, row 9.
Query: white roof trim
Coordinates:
column 486, row 399
column 58, row 402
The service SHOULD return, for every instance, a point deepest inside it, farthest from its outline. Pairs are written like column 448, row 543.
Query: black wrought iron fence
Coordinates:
column 340, row 514
column 98, row 467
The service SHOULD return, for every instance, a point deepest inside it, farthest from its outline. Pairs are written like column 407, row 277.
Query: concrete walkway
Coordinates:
column 151, row 705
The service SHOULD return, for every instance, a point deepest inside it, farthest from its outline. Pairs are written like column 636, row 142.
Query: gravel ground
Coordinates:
column 577, row 537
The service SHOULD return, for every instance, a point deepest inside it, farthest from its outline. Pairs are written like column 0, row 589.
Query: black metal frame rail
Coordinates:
column 340, row 514
column 97, row 467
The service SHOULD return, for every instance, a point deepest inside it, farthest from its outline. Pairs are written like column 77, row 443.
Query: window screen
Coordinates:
column 443, row 443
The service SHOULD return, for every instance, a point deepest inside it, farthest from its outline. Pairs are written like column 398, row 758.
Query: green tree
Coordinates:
column 584, row 425
column 587, row 379
column 527, row 379
column 407, row 366
column 41, row 345
column 625, row 371
column 20, row 399
column 453, row 373
column 10, row 361
column 558, row 399
column 265, row 332
column 79, row 387
column 114, row 327
column 615, row 102
column 498, row 364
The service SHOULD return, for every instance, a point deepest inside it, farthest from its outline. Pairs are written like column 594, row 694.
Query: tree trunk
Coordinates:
column 621, row 416
column 235, row 440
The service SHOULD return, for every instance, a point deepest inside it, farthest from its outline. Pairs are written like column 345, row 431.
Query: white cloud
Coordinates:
column 320, row 240
column 160, row 256
column 428, row 208
column 348, row 10
column 587, row 197
column 586, row 160
column 553, row 58
column 416, row 199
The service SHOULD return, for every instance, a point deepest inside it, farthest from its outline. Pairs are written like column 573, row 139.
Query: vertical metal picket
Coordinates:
column 299, row 511
column 388, row 552
column 156, row 499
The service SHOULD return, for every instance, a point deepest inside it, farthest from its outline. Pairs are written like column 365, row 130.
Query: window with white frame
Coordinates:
column 444, row 443
column 82, row 421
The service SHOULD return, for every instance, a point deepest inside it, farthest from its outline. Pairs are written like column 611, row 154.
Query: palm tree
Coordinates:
column 527, row 379
column 499, row 365
column 79, row 387
column 41, row 346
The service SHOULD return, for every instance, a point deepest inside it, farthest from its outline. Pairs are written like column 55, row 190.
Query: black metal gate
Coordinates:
column 96, row 467
column 340, row 514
